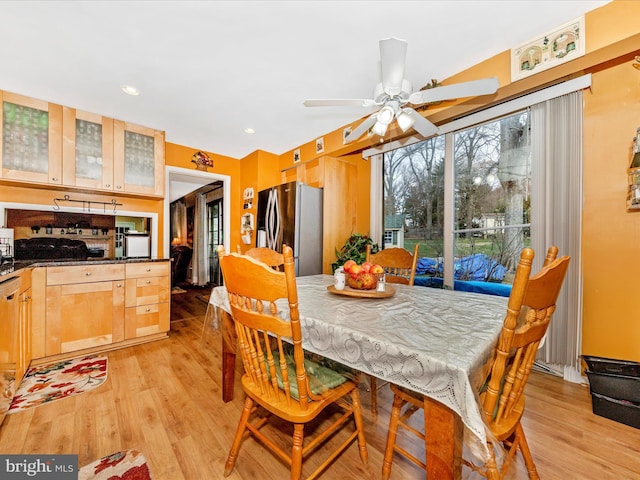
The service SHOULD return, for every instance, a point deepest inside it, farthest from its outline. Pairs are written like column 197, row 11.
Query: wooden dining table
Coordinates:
column 432, row 341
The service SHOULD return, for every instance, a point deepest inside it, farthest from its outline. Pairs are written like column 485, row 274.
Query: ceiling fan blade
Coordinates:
column 346, row 102
column 421, row 125
column 457, row 90
column 393, row 53
column 362, row 128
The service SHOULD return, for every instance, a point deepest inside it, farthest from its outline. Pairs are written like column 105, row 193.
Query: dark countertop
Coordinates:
column 61, row 262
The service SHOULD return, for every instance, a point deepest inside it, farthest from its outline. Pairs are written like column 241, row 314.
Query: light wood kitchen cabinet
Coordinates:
column 84, row 307
column 15, row 335
column 45, row 143
column 24, row 316
column 87, row 150
column 138, row 159
column 31, row 140
column 98, row 306
column 148, row 292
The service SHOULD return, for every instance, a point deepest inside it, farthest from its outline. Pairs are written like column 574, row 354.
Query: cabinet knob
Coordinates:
column 148, row 282
column 54, row 179
column 107, row 186
column 119, row 285
column 118, row 187
column 148, row 310
column 148, row 269
column 88, row 274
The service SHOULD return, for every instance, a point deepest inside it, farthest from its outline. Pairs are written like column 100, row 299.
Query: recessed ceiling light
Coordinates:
column 130, row 90
column 249, row 130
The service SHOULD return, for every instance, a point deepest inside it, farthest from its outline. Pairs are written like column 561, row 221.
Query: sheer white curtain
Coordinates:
column 200, row 258
column 178, row 223
column 556, row 214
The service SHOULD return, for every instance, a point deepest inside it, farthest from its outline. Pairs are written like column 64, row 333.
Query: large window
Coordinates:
column 490, row 200
column 509, row 176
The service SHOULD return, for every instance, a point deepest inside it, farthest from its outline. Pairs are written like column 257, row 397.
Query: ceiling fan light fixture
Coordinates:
column 386, row 114
column 380, row 128
column 405, row 121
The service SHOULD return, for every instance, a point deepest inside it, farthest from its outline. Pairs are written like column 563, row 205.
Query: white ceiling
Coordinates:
column 208, row 69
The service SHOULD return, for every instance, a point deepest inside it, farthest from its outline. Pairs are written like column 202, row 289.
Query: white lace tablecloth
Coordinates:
column 432, row 341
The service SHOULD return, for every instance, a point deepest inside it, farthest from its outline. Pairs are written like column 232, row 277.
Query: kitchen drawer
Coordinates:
column 146, row 320
column 141, row 270
column 147, row 290
column 84, row 274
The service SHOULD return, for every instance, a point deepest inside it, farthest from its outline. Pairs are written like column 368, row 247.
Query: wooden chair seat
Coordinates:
column 502, row 398
column 277, row 376
column 293, row 412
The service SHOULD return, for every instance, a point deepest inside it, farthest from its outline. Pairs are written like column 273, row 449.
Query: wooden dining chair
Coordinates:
column 502, row 397
column 265, row 255
column 399, row 267
column 277, row 376
column 398, row 263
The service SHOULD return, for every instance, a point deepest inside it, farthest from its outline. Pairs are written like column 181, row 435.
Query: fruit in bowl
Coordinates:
column 362, row 277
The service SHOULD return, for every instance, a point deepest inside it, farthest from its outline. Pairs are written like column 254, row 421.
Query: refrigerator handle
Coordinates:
column 276, row 214
column 269, row 219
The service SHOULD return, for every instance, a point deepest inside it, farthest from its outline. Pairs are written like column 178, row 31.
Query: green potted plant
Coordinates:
column 354, row 249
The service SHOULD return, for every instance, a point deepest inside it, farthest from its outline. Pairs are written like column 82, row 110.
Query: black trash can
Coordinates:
column 615, row 389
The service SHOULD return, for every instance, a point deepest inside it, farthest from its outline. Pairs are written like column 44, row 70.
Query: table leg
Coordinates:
column 228, row 355
column 443, row 442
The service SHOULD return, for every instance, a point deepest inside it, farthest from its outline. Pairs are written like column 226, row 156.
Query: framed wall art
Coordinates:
column 553, row 48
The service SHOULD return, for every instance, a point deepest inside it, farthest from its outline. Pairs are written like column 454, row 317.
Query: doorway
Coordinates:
column 180, row 182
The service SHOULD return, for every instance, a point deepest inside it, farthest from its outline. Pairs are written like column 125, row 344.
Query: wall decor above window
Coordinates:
column 553, row 48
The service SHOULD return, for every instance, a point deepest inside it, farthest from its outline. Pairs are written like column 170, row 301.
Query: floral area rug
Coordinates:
column 127, row 465
column 46, row 383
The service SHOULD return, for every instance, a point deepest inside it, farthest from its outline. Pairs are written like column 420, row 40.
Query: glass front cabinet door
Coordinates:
column 30, row 144
column 138, row 159
column 87, row 150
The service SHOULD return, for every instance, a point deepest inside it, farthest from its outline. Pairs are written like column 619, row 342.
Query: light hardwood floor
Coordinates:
column 164, row 399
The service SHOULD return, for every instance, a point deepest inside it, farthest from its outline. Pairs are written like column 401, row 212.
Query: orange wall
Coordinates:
column 180, row 156
column 611, row 235
column 259, row 171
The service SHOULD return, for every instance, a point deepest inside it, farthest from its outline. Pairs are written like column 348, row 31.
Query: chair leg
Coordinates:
column 373, row 384
column 391, row 436
column 237, row 440
column 526, row 453
column 296, row 451
column 357, row 416
column 491, row 468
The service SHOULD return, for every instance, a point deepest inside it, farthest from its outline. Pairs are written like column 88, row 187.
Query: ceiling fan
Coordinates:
column 394, row 92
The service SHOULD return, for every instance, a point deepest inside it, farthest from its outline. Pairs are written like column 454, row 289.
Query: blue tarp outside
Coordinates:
column 478, row 267
column 474, row 273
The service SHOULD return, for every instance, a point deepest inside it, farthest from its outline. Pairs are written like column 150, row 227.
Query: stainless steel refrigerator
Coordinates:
column 291, row 214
